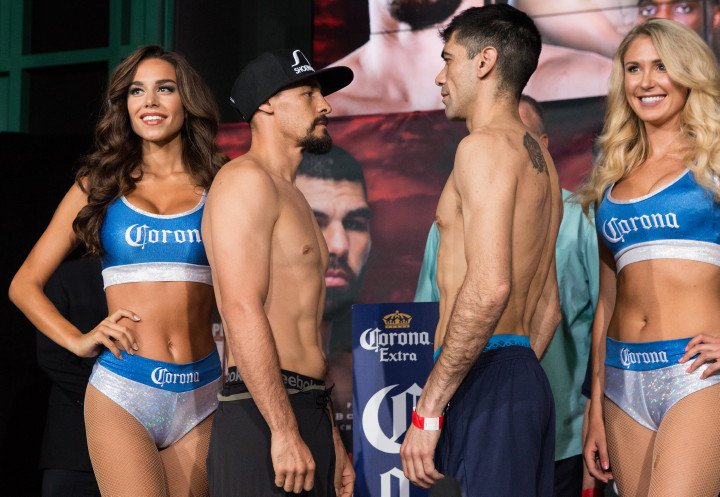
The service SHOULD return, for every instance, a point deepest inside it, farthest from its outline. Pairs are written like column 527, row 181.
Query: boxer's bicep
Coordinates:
column 243, row 211
column 487, row 186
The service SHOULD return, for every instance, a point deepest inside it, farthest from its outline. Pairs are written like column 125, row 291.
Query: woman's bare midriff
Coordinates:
column 665, row 299
column 175, row 318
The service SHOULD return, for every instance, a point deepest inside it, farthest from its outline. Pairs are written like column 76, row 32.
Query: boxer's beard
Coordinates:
column 317, row 144
column 339, row 297
column 420, row 14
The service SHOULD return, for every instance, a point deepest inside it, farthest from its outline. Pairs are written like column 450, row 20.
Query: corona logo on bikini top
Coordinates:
column 614, row 229
column 138, row 235
column 381, row 432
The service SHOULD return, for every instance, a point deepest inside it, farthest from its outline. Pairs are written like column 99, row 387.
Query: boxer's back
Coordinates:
column 534, row 215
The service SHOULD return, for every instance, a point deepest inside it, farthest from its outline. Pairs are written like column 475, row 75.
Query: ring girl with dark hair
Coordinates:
column 138, row 202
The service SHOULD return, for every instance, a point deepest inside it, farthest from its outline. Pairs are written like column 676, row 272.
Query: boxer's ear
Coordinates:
column 266, row 107
column 485, row 61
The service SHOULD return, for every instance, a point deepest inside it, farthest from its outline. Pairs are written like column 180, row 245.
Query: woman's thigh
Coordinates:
column 124, row 456
column 630, row 448
column 185, row 462
column 686, row 456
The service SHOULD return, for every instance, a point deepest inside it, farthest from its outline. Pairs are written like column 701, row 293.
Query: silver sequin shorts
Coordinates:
column 645, row 380
column 167, row 399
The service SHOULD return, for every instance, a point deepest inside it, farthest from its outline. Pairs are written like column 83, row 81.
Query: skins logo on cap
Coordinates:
column 299, row 69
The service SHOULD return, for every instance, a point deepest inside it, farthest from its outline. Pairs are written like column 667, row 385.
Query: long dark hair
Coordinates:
column 111, row 169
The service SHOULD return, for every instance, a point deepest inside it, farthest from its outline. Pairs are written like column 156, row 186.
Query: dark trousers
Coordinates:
column 239, row 463
column 499, row 434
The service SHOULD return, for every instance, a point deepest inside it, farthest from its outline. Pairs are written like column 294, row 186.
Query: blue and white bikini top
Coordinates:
column 141, row 246
column 679, row 221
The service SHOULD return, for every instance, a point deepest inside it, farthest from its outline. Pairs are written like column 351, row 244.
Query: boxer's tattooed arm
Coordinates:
column 535, row 153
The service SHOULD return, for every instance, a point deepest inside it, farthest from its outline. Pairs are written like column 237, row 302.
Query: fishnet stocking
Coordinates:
column 681, row 459
column 185, row 464
column 124, row 457
column 630, row 447
column 686, row 459
column 127, row 462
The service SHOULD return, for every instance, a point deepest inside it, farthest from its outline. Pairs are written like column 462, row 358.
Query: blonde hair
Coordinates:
column 623, row 142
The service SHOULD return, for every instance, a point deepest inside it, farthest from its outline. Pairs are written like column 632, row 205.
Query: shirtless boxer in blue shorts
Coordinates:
column 498, row 218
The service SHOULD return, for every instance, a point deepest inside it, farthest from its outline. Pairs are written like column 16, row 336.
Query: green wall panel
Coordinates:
column 132, row 23
column 4, row 101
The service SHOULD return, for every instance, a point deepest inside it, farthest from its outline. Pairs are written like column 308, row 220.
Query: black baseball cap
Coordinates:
column 272, row 71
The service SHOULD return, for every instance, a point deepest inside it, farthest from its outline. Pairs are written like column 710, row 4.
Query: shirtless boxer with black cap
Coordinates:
column 273, row 431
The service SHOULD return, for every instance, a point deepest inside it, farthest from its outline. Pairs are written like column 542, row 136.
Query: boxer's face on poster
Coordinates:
column 420, row 14
column 343, row 214
column 689, row 13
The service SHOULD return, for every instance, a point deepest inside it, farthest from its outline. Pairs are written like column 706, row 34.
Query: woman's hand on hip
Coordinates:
column 110, row 334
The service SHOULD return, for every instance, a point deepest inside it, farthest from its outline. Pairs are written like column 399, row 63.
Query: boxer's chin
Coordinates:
column 315, row 144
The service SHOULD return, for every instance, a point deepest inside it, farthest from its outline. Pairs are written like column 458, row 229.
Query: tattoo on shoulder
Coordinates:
column 535, row 153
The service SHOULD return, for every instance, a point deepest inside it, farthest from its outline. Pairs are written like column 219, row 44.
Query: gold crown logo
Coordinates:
column 397, row 320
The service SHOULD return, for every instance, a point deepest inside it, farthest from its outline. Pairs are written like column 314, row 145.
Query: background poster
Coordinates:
column 394, row 46
column 392, row 356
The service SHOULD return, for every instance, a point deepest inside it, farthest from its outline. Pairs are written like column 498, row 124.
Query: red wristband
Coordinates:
column 592, row 492
column 427, row 424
